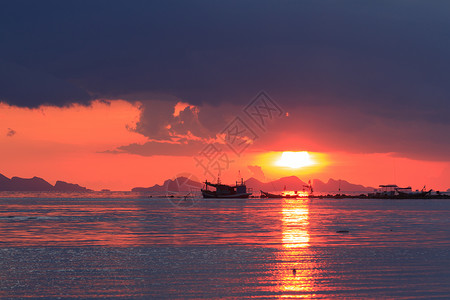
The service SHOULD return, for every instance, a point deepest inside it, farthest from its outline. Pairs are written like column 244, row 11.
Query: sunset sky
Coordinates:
column 118, row 94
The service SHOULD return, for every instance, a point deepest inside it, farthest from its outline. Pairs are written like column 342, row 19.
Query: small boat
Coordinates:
column 290, row 194
column 408, row 193
column 269, row 195
column 294, row 194
column 392, row 191
column 226, row 191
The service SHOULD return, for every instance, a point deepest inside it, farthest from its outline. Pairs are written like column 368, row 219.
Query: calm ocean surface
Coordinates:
column 130, row 246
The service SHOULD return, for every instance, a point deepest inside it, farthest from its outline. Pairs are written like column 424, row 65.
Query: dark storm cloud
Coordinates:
column 386, row 59
column 30, row 88
column 202, row 51
column 154, row 148
column 350, row 130
column 158, row 121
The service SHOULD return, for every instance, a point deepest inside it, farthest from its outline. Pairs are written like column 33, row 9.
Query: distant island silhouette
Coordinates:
column 183, row 184
column 37, row 184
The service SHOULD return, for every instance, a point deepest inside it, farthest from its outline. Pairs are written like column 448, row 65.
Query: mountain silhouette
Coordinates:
column 62, row 186
column 184, row 184
column 179, row 184
column 37, row 184
column 339, row 185
column 29, row 184
column 4, row 181
column 293, row 183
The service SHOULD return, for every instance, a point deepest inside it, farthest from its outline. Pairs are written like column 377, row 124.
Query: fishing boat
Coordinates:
column 409, row 193
column 239, row 190
column 290, row 194
column 270, row 195
column 393, row 191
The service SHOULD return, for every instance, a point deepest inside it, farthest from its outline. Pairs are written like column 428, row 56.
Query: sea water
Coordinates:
column 128, row 245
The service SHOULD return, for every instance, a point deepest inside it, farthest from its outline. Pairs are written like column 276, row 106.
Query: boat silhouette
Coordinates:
column 239, row 190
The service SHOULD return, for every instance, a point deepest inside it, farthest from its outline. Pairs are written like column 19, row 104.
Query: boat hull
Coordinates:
column 277, row 196
column 212, row 194
column 269, row 195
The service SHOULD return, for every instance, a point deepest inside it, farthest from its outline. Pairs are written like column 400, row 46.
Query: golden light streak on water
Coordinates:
column 295, row 242
column 295, row 223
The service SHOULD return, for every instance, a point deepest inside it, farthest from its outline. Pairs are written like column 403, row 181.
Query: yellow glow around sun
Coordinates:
column 276, row 164
column 295, row 160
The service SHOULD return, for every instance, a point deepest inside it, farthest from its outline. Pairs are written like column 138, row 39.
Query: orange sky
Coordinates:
column 72, row 144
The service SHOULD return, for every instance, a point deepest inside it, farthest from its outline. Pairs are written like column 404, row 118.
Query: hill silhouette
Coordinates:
column 62, row 186
column 183, row 184
column 179, row 184
column 29, row 184
column 335, row 185
column 291, row 183
column 37, row 184
column 294, row 183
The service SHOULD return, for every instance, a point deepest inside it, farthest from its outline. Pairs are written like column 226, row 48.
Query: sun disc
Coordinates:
column 295, row 160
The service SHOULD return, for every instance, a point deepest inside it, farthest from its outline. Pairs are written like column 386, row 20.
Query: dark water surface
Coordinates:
column 129, row 246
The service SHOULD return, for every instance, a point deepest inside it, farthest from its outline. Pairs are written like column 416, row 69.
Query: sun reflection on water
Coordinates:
column 295, row 270
column 295, row 222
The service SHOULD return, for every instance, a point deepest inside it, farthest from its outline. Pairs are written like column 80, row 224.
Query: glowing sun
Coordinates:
column 295, row 160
